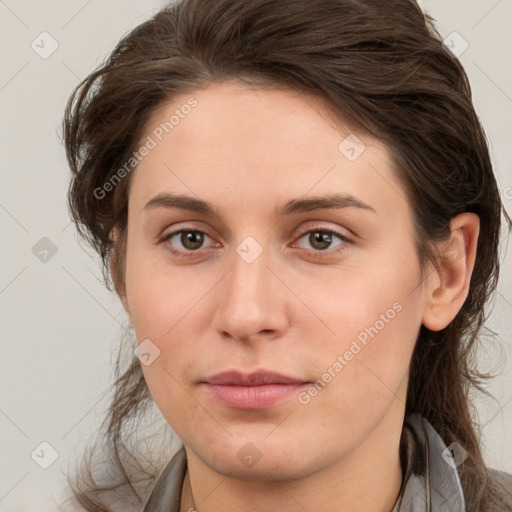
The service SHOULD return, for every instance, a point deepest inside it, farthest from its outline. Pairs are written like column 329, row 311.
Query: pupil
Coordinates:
column 192, row 237
column 323, row 238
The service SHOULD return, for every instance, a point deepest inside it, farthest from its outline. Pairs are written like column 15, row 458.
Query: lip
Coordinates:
column 257, row 390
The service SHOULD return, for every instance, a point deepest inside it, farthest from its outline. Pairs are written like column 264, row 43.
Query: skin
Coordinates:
column 248, row 152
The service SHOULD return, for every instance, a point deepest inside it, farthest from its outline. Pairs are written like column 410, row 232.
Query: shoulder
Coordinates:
column 505, row 479
column 502, row 481
column 502, row 476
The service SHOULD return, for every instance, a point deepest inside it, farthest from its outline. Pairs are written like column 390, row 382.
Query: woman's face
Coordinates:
column 326, row 294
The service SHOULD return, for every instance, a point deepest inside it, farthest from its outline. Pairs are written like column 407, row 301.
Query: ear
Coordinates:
column 447, row 289
column 113, row 265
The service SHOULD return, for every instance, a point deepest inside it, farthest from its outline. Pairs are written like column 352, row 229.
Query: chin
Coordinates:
column 261, row 461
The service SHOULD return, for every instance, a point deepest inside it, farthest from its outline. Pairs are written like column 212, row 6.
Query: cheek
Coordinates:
column 166, row 307
column 363, row 372
column 378, row 305
column 174, row 399
column 161, row 295
column 374, row 323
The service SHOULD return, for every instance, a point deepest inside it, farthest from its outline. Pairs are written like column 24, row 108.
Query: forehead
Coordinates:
column 260, row 145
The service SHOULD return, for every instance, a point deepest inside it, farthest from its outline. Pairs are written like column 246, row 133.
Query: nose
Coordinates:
column 253, row 302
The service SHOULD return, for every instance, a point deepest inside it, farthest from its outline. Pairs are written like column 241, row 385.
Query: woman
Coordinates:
column 296, row 204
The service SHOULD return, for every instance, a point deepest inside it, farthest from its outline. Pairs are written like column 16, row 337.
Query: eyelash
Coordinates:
column 316, row 253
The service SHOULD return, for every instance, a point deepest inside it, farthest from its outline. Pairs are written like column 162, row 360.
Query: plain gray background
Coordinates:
column 60, row 326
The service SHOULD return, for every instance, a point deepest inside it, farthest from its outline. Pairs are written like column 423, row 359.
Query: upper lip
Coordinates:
column 258, row 378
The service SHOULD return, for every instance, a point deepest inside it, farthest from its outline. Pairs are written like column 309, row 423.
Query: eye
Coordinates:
column 190, row 239
column 320, row 240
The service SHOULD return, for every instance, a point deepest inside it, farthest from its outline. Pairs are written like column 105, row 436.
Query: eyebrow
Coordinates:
column 294, row 206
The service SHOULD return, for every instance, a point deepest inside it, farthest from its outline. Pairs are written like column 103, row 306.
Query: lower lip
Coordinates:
column 253, row 397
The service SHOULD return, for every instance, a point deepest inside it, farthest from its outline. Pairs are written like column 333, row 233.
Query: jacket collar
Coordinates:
column 431, row 482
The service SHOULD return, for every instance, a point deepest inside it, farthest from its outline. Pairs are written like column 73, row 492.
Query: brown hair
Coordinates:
column 383, row 67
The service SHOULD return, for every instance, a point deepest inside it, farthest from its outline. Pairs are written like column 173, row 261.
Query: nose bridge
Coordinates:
column 250, row 299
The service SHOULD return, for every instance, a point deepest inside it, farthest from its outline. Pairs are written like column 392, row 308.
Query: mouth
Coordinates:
column 258, row 390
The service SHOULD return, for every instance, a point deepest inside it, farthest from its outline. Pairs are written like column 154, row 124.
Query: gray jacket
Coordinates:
column 431, row 481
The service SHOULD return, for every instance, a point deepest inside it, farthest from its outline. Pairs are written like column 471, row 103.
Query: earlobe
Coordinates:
column 447, row 289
